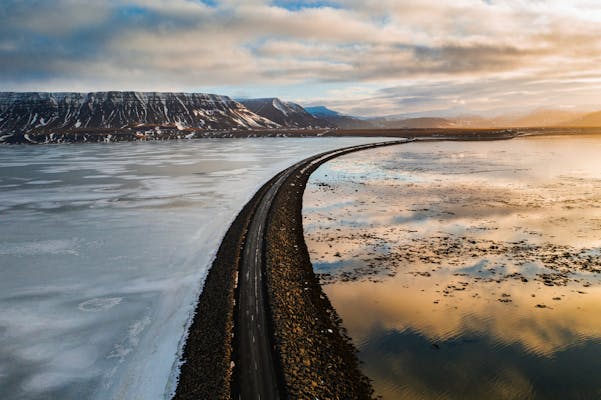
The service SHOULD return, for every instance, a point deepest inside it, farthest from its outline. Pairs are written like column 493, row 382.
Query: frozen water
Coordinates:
column 103, row 251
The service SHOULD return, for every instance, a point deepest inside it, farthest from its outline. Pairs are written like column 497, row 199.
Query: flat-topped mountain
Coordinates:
column 285, row 113
column 42, row 112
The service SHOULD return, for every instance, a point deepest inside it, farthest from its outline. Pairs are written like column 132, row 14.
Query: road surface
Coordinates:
column 256, row 370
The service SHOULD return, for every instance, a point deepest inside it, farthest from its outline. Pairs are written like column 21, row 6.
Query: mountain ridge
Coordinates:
column 60, row 111
column 285, row 113
column 52, row 116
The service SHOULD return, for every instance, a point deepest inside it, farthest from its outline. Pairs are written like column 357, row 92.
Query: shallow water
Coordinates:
column 466, row 269
column 103, row 251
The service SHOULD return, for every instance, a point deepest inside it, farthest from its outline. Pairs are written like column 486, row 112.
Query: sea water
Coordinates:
column 466, row 270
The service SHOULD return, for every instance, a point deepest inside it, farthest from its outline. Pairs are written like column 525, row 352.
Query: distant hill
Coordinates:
column 42, row 112
column 348, row 122
column 339, row 120
column 414, row 123
column 588, row 120
column 537, row 118
column 322, row 111
column 541, row 118
column 286, row 114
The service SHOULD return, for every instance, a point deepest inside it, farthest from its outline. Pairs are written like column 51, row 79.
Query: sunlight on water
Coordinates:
column 466, row 269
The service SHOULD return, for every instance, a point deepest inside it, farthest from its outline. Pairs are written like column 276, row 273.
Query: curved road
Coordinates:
column 256, row 370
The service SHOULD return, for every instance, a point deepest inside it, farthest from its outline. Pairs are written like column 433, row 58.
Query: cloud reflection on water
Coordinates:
column 464, row 270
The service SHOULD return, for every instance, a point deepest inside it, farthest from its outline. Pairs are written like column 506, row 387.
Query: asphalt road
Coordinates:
column 257, row 375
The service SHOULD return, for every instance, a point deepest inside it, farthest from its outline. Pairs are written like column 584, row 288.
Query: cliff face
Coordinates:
column 41, row 112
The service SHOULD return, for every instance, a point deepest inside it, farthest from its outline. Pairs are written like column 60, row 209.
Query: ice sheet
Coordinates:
column 103, row 251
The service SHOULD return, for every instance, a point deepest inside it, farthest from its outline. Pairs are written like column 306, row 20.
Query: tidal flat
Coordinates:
column 466, row 269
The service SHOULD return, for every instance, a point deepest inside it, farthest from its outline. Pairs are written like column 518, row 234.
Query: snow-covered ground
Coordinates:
column 103, row 251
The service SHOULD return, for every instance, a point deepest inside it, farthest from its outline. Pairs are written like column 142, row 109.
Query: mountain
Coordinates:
column 41, row 112
column 588, row 120
column 348, row 122
column 284, row 113
column 322, row 111
column 339, row 120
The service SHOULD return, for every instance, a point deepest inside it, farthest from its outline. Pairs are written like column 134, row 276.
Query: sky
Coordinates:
column 360, row 57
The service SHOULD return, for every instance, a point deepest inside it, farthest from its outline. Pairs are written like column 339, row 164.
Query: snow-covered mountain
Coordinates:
column 41, row 112
column 285, row 113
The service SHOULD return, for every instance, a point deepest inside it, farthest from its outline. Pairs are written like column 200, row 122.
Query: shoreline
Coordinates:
column 208, row 357
column 206, row 369
column 168, row 133
column 311, row 349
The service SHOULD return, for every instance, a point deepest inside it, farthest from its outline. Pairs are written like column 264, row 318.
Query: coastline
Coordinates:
column 314, row 355
column 164, row 133
column 208, row 357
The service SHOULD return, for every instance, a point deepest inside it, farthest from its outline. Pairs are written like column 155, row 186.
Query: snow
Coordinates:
column 279, row 106
column 101, row 268
column 166, row 107
column 99, row 304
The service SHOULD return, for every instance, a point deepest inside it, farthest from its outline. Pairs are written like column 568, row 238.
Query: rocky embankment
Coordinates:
column 206, row 372
column 148, row 133
column 316, row 357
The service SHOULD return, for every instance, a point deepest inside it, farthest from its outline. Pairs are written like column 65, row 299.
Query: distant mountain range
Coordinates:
column 349, row 122
column 537, row 118
column 182, row 114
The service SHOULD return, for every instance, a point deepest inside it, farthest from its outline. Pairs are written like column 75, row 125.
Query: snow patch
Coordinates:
column 99, row 304
column 42, row 247
column 121, row 350
column 279, row 106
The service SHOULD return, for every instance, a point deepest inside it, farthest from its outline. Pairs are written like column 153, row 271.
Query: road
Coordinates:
column 256, row 369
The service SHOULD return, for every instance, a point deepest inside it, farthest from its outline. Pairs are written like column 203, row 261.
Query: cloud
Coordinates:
column 188, row 45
